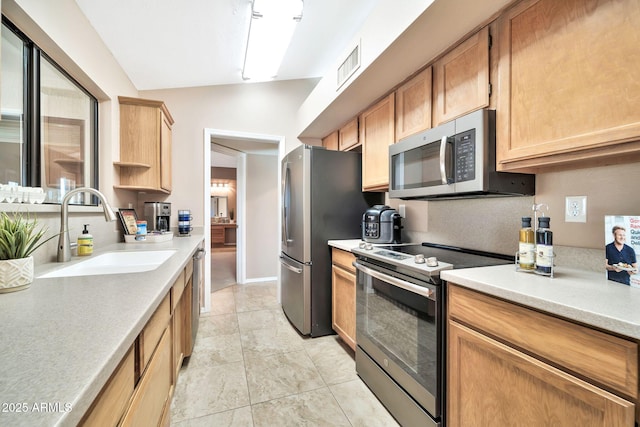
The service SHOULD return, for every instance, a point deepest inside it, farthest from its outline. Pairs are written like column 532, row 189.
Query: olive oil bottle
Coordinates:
column 527, row 246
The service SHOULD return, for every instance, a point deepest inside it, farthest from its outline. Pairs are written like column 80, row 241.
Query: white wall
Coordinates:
column 262, row 212
column 259, row 108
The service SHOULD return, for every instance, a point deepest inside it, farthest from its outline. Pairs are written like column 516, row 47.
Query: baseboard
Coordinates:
column 261, row 279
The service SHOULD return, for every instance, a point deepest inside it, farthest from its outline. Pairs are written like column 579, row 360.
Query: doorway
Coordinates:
column 239, row 145
column 223, row 204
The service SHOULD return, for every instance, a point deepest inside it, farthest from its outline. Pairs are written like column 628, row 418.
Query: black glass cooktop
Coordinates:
column 459, row 257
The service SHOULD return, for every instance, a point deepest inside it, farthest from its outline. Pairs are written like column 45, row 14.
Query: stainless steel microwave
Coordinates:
column 454, row 160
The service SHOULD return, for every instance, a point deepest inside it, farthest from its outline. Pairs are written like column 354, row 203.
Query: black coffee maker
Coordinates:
column 157, row 215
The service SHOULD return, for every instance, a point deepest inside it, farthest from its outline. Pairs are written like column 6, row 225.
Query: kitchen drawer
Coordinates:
column 152, row 394
column 217, row 234
column 343, row 258
column 110, row 404
column 609, row 360
column 177, row 290
column 152, row 332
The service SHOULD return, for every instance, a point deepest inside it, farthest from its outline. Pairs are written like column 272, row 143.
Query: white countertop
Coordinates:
column 63, row 337
column 581, row 296
column 345, row 245
column 577, row 295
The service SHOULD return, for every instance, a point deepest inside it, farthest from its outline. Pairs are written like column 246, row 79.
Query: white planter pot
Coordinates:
column 16, row 274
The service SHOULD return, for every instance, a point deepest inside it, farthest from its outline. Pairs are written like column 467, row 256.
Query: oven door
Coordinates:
column 399, row 326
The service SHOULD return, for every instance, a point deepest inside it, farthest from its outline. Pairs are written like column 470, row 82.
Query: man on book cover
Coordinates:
column 621, row 261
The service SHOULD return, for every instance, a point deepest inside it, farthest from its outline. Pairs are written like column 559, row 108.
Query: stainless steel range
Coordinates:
column 400, row 324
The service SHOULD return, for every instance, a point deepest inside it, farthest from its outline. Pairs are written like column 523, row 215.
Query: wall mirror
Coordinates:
column 219, row 206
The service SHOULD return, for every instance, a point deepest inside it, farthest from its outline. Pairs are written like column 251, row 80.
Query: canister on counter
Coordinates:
column 141, row 230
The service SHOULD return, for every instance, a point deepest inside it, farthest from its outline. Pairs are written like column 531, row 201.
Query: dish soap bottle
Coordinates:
column 85, row 242
column 544, row 246
column 527, row 245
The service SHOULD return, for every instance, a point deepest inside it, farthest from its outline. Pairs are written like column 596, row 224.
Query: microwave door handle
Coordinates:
column 443, row 166
column 407, row 286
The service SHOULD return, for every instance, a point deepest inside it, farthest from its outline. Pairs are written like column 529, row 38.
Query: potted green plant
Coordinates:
column 19, row 238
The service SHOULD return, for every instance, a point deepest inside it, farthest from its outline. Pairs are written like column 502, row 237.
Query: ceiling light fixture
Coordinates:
column 270, row 30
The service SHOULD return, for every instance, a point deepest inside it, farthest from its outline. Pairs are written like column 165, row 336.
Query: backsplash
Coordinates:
column 104, row 233
column 489, row 224
column 492, row 224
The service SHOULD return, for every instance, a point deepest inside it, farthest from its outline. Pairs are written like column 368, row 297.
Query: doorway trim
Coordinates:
column 241, row 178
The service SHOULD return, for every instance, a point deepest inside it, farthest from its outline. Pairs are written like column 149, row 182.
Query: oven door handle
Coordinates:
column 407, row 286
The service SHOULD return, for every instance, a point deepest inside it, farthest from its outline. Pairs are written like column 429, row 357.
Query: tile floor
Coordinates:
column 250, row 368
column 223, row 268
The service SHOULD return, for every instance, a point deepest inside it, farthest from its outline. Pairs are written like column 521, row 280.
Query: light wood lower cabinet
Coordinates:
column 510, row 365
column 493, row 384
column 152, row 332
column 114, row 397
column 343, row 283
column 178, row 322
column 187, row 301
column 152, row 395
column 139, row 392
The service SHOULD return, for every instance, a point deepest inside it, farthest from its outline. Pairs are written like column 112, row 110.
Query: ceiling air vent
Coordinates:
column 349, row 66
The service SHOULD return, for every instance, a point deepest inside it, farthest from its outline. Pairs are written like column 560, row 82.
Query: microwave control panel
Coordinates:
column 465, row 156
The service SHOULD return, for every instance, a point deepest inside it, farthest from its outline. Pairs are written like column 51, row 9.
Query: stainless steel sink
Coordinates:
column 114, row 263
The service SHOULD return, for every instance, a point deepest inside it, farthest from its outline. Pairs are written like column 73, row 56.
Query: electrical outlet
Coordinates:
column 402, row 211
column 575, row 209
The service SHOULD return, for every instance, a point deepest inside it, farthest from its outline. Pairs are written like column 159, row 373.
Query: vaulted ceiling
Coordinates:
column 170, row 44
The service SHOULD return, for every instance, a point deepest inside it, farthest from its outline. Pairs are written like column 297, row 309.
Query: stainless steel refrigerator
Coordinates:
column 322, row 200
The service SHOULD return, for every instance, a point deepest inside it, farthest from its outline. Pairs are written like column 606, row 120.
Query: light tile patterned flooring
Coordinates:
column 250, row 368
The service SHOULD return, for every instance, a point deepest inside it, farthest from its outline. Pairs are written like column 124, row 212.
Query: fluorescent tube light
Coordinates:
column 270, row 30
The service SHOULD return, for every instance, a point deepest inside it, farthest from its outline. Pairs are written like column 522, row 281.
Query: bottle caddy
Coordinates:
column 535, row 247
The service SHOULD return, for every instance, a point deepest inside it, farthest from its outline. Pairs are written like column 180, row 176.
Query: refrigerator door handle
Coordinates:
column 289, row 266
column 286, row 204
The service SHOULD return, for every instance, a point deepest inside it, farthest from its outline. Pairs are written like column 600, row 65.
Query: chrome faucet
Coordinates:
column 64, row 243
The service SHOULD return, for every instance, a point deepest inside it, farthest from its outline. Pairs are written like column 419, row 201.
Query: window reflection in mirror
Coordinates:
column 12, row 103
column 65, row 117
column 48, row 123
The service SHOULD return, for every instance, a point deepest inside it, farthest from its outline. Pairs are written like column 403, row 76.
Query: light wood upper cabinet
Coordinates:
column 330, row 142
column 461, row 79
column 569, row 83
column 145, row 145
column 377, row 133
column 541, row 369
column 413, row 105
column 348, row 136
